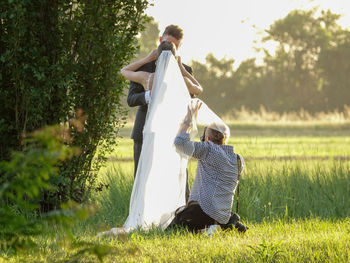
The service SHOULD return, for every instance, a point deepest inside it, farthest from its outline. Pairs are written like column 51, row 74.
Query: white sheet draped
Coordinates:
column 159, row 187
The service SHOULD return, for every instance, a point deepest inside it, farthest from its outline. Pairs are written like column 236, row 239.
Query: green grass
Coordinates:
column 272, row 140
column 294, row 197
column 295, row 189
column 268, row 190
column 300, row 147
column 311, row 240
column 277, row 129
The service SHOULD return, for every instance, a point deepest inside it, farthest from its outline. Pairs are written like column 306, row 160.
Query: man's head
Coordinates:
column 214, row 136
column 166, row 45
column 172, row 33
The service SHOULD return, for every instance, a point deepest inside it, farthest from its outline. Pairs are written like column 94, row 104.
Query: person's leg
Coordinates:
column 137, row 152
column 193, row 218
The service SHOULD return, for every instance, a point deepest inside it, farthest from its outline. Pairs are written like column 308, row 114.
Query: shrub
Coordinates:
column 61, row 60
column 24, row 176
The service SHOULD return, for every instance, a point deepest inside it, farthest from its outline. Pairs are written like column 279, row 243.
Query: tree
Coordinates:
column 302, row 38
column 334, row 66
column 308, row 70
column 216, row 78
column 61, row 60
column 148, row 39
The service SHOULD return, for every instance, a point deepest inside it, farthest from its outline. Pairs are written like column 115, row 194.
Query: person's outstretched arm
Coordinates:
column 192, row 84
column 141, row 77
column 198, row 150
column 137, row 96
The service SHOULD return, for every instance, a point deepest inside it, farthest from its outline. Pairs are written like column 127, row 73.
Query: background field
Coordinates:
column 294, row 196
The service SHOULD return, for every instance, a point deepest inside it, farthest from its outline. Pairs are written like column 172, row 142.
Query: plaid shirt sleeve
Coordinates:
column 198, row 150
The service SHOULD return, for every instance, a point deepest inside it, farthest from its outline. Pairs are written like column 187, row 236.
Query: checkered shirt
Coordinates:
column 216, row 178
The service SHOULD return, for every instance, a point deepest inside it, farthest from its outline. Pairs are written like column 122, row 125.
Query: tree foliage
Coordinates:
column 25, row 175
column 307, row 71
column 148, row 39
column 61, row 60
column 302, row 38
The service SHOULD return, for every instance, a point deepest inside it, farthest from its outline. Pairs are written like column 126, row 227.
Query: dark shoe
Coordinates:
column 234, row 223
column 231, row 222
column 240, row 227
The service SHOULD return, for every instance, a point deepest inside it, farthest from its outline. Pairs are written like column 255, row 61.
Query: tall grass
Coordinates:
column 113, row 201
column 269, row 190
column 295, row 189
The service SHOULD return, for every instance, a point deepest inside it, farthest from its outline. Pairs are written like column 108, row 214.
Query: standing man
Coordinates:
column 139, row 97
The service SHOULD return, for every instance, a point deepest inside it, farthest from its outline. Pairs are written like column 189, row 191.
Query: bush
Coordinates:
column 61, row 60
column 24, row 176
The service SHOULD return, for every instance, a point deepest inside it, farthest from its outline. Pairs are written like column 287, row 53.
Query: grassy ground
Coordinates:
column 311, row 240
column 293, row 195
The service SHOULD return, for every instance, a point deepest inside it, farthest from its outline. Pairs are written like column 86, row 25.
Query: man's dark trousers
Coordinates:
column 194, row 219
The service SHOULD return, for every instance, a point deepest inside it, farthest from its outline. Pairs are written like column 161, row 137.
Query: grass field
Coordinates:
column 294, row 196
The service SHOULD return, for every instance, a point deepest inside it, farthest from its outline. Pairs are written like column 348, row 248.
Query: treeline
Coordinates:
column 309, row 70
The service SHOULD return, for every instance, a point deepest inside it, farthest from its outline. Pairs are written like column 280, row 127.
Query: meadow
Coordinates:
column 294, row 196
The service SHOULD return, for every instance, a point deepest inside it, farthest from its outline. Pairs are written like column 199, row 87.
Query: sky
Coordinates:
column 231, row 28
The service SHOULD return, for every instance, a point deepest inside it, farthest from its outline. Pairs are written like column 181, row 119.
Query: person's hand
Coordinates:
column 192, row 110
column 196, row 105
column 153, row 55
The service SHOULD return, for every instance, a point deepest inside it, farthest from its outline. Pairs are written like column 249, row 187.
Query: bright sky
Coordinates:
column 230, row 27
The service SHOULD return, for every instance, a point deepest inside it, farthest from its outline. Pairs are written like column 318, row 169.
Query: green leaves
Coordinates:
column 22, row 180
column 307, row 70
column 57, row 58
column 267, row 252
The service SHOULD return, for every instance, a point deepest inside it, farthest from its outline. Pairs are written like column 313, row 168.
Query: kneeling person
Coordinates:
column 214, row 186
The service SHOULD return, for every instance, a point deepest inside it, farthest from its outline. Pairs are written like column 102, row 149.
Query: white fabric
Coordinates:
column 159, row 187
column 148, row 81
column 147, row 96
column 208, row 118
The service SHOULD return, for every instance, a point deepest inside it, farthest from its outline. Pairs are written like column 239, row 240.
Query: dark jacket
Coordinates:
column 136, row 97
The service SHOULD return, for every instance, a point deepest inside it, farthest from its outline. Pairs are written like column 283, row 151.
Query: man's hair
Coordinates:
column 174, row 31
column 165, row 45
column 216, row 136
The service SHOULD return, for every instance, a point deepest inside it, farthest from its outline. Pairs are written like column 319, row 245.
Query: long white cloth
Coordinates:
column 159, row 187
